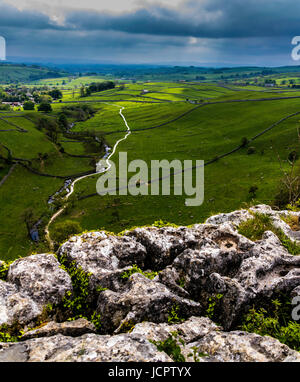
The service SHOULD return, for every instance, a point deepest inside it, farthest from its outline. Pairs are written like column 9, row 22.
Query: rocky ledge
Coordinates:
column 149, row 284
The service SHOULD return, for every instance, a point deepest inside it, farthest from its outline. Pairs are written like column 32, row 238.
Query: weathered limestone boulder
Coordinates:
column 270, row 269
column 32, row 283
column 69, row 328
column 103, row 256
column 16, row 306
column 243, row 273
column 190, row 330
column 237, row 217
column 196, row 266
column 234, row 218
column 41, row 278
column 201, row 336
column 203, row 341
column 164, row 244
column 240, row 346
column 87, row 348
column 142, row 299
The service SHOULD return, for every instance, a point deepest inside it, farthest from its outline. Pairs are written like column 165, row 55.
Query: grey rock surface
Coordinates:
column 142, row 299
column 194, row 266
column 70, row 328
column 103, row 256
column 87, row 348
column 201, row 336
column 202, row 341
column 16, row 306
column 40, row 277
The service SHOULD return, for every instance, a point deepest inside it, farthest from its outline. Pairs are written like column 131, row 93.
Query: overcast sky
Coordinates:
column 230, row 32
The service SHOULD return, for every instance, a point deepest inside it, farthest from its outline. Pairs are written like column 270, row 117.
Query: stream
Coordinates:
column 69, row 186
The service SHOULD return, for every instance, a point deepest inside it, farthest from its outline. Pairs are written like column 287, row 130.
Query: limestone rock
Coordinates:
column 70, row 328
column 202, row 341
column 164, row 244
column 102, row 256
column 202, row 336
column 235, row 218
column 240, row 346
column 195, row 265
column 242, row 273
column 87, row 348
column 190, row 330
column 16, row 306
column 41, row 278
column 142, row 299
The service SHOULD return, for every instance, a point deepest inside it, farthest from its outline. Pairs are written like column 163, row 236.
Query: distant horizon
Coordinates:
column 42, row 62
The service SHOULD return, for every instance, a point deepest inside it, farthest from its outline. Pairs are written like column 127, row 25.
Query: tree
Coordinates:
column 28, row 105
column 29, row 218
column 244, row 142
column 252, row 191
column 45, row 107
column 55, row 94
column 82, row 91
column 62, row 231
column 63, row 121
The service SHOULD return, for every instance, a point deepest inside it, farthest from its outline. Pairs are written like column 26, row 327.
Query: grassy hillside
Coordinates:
column 14, row 73
column 185, row 121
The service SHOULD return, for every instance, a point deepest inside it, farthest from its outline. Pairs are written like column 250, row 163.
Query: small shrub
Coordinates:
column 254, row 229
column 181, row 282
column 162, row 224
column 196, row 354
column 11, row 333
column 274, row 322
column 213, row 305
column 293, row 156
column 244, row 142
column 292, row 221
column 62, row 231
column 4, row 271
column 171, row 347
column 173, row 317
column 136, row 269
column 77, row 304
column 252, row 191
column 96, row 320
column 251, row 150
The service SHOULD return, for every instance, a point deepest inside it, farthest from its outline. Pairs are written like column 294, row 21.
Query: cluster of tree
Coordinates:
column 50, row 126
column 79, row 112
column 4, row 107
column 62, row 231
column 45, row 107
column 96, row 87
column 55, row 94
column 28, row 105
column 270, row 81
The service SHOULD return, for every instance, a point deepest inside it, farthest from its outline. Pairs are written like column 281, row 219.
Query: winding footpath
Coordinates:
column 99, row 170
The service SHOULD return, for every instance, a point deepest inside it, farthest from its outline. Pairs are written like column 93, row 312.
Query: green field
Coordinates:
column 20, row 73
column 168, row 120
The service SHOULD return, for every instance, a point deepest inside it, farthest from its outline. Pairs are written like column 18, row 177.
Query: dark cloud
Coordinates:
column 234, row 31
column 13, row 18
column 207, row 19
